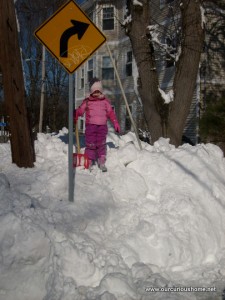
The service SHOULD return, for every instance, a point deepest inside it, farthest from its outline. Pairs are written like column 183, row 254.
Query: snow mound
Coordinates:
column 155, row 219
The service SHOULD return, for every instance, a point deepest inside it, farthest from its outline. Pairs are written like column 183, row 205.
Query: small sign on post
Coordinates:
column 71, row 37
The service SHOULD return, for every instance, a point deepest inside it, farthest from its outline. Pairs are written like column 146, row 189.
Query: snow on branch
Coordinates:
column 169, row 47
column 168, row 97
column 136, row 2
column 203, row 16
column 154, row 32
column 127, row 20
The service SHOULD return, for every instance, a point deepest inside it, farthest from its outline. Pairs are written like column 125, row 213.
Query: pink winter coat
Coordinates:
column 98, row 110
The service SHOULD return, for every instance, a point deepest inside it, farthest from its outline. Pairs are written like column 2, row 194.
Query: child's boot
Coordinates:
column 90, row 165
column 101, row 163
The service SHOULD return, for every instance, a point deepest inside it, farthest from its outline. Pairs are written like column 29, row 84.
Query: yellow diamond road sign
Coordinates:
column 70, row 36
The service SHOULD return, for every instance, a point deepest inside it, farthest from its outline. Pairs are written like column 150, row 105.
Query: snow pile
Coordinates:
column 168, row 97
column 155, row 219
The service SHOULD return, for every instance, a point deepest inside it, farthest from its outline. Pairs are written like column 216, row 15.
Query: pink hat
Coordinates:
column 96, row 86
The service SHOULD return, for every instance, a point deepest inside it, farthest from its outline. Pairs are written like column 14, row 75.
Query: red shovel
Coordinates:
column 79, row 159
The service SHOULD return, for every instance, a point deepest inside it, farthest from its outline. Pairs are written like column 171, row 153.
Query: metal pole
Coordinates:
column 124, row 96
column 70, row 146
column 42, row 89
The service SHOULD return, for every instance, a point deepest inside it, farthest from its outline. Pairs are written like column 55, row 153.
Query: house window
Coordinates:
column 127, row 120
column 82, row 79
column 90, row 14
column 107, row 68
column 81, row 127
column 108, row 18
column 90, row 72
column 171, row 45
column 129, row 64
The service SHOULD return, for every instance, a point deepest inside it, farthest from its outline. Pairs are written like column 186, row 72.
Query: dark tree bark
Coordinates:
column 144, row 55
column 186, row 69
column 14, row 93
column 167, row 120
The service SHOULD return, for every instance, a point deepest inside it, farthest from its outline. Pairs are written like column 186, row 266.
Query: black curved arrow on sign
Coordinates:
column 78, row 28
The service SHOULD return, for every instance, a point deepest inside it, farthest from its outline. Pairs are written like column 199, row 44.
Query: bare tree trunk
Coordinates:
column 144, row 56
column 14, row 92
column 186, row 69
column 163, row 119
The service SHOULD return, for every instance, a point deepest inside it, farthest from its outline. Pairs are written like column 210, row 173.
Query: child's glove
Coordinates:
column 117, row 127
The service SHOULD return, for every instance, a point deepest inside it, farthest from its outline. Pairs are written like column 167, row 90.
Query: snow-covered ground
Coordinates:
column 156, row 219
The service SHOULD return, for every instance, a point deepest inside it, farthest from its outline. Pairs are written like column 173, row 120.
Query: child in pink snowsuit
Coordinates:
column 98, row 110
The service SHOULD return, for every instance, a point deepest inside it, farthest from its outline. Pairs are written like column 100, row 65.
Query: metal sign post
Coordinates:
column 70, row 149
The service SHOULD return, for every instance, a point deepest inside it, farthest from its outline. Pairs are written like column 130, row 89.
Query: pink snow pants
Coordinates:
column 95, row 140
